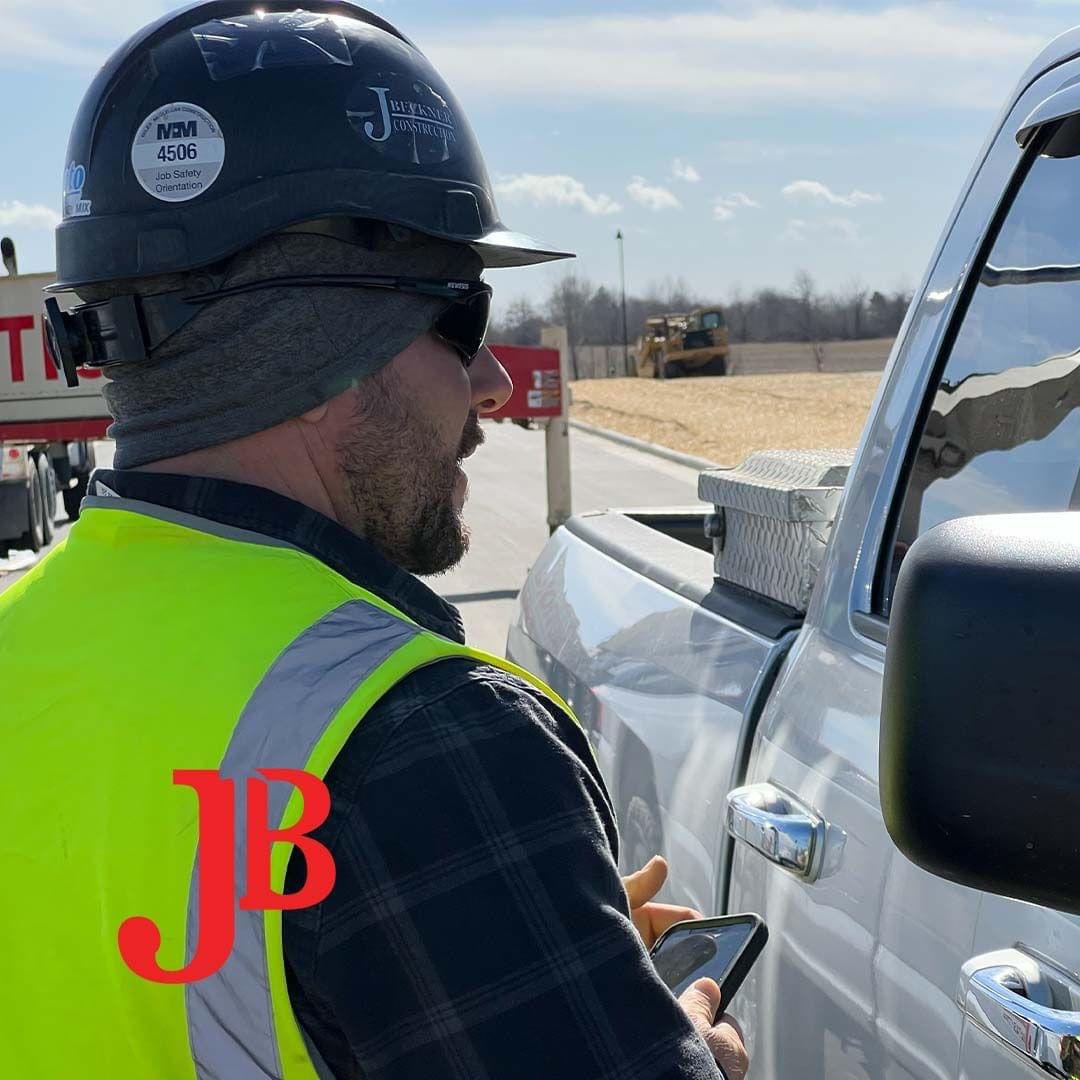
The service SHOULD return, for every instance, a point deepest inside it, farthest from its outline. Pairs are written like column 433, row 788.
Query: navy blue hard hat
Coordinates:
column 227, row 121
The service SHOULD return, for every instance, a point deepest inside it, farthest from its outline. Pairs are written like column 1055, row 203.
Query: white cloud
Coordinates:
column 726, row 205
column 837, row 228
column 654, row 197
column 773, row 55
column 79, row 34
column 546, row 189
column 683, row 170
column 18, row 215
column 815, row 191
column 71, row 33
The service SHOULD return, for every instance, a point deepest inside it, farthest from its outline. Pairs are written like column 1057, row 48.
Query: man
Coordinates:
column 277, row 242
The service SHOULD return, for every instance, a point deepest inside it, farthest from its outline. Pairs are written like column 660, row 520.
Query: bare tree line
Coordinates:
column 592, row 313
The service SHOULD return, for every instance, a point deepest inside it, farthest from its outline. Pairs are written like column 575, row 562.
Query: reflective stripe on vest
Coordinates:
column 230, row 1016
column 209, row 605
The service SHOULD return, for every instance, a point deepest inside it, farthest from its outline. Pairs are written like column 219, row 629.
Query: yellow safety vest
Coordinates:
column 183, row 644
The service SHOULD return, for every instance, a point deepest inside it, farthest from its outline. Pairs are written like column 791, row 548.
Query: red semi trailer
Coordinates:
column 46, row 427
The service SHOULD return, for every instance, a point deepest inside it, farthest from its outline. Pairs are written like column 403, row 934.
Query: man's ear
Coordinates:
column 316, row 415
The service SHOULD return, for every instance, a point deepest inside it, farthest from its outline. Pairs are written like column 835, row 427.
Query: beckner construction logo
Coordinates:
column 404, row 118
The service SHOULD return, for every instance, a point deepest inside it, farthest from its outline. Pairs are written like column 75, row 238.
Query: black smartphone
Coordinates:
column 723, row 949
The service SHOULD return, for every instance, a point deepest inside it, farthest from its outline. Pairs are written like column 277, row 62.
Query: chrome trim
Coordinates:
column 993, row 276
column 997, row 992
column 1057, row 106
column 778, row 826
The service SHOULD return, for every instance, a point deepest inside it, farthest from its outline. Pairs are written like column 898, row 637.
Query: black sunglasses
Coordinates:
column 124, row 329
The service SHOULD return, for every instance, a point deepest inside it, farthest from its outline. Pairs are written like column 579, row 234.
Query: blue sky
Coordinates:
column 734, row 144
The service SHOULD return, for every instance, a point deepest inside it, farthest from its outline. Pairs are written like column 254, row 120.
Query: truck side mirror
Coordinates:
column 980, row 739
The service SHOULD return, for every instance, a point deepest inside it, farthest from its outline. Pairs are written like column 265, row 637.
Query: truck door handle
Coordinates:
column 1011, row 996
column 775, row 823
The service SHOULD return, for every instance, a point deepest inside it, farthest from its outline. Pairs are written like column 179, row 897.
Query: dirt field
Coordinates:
column 724, row 419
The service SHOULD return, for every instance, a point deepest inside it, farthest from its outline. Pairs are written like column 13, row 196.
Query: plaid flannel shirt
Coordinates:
column 478, row 926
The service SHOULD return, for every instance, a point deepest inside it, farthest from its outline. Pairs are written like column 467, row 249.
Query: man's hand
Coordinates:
column 724, row 1037
column 650, row 919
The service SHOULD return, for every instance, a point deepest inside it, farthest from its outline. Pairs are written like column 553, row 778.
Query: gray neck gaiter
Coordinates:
column 249, row 362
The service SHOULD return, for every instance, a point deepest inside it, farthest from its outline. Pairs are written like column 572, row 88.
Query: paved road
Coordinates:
column 507, row 511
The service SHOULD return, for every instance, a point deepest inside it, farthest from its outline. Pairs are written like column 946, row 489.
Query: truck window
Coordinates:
column 1003, row 430
column 712, row 320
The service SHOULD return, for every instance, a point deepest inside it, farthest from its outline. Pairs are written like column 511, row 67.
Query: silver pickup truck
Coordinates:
column 727, row 660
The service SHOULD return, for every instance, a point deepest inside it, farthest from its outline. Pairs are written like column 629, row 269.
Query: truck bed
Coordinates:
column 668, row 546
column 666, row 669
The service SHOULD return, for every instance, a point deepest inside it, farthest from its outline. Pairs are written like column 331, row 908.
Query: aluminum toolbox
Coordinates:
column 772, row 519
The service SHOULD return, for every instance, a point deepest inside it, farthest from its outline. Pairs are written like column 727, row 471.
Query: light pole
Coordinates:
column 622, row 276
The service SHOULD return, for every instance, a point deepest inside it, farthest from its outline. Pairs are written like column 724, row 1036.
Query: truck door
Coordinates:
column 1003, row 435
column 876, row 969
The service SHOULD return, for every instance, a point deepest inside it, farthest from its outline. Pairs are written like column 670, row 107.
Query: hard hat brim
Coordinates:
column 503, row 248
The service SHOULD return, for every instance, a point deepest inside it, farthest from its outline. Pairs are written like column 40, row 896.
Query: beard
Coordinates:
column 400, row 480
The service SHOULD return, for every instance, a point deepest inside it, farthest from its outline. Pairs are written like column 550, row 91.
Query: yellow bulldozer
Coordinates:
column 677, row 345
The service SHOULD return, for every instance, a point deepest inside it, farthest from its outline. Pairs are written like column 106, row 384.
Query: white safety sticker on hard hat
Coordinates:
column 178, row 152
